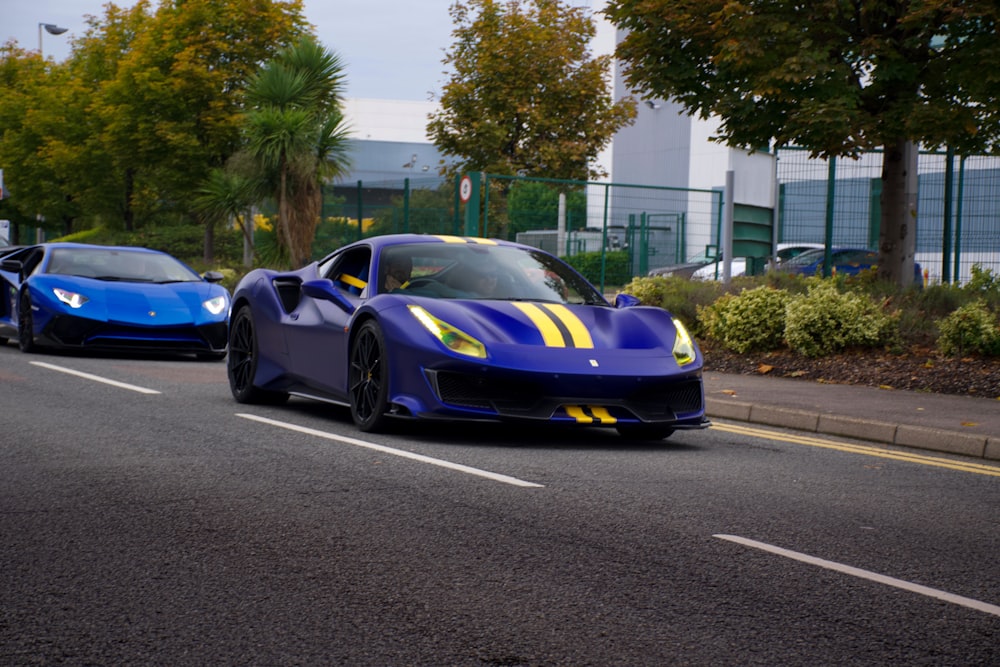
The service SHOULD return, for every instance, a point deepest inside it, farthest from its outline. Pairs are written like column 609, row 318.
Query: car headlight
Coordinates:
column 684, row 350
column 71, row 299
column 215, row 305
column 452, row 338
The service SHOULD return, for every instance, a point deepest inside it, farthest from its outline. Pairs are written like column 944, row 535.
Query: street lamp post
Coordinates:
column 50, row 28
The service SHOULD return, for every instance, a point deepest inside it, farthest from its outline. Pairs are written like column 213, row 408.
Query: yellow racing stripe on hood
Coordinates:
column 447, row 238
column 551, row 335
column 577, row 331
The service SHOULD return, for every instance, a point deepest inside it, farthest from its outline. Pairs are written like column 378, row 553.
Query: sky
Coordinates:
column 392, row 49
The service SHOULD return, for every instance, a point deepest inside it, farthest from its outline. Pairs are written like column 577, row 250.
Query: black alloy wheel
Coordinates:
column 25, row 324
column 368, row 379
column 241, row 366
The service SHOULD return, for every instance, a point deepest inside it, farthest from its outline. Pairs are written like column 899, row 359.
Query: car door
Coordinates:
column 316, row 330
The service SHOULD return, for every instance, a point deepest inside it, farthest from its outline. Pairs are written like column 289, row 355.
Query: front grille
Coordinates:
column 664, row 401
column 79, row 332
column 668, row 399
column 484, row 393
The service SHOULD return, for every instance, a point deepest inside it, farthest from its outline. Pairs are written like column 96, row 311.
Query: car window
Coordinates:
column 119, row 264
column 806, row 258
column 855, row 257
column 482, row 271
column 350, row 270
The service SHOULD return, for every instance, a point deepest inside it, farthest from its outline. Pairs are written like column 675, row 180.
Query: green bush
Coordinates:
column 751, row 320
column 617, row 267
column 680, row 296
column 984, row 284
column 972, row 328
column 825, row 321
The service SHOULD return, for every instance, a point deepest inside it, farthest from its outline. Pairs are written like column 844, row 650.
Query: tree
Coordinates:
column 297, row 135
column 148, row 103
column 526, row 96
column 227, row 195
column 835, row 77
column 172, row 110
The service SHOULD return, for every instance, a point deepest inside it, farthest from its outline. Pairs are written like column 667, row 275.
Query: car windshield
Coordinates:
column 119, row 265
column 805, row 258
column 481, row 271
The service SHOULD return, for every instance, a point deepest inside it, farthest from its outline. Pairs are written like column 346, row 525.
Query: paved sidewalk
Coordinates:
column 964, row 425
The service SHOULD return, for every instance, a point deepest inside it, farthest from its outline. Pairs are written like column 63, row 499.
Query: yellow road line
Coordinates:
column 879, row 452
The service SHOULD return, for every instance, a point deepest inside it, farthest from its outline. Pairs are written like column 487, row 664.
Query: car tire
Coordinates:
column 243, row 359
column 25, row 324
column 368, row 379
column 644, row 431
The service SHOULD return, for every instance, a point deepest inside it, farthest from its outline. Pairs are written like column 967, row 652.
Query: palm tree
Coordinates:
column 225, row 195
column 296, row 134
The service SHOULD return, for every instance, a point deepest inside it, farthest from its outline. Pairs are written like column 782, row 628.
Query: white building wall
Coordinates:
column 388, row 120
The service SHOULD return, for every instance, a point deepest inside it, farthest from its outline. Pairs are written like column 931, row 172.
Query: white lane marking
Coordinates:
column 95, row 378
column 394, row 452
column 866, row 574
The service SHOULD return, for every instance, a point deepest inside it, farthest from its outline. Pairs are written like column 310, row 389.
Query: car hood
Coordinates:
column 557, row 338
column 137, row 303
column 552, row 325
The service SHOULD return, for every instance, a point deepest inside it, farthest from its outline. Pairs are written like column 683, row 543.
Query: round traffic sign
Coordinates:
column 465, row 189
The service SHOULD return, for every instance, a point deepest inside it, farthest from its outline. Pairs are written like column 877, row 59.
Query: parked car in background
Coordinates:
column 684, row 269
column 75, row 296
column 714, row 271
column 787, row 251
column 845, row 261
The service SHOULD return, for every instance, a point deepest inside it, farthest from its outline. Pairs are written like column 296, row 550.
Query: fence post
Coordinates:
column 949, row 176
column 727, row 227
column 406, row 205
column 561, row 225
column 456, row 219
column 472, row 204
column 361, row 210
column 831, row 190
column 958, row 219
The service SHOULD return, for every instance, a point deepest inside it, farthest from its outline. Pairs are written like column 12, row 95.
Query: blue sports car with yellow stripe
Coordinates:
column 461, row 328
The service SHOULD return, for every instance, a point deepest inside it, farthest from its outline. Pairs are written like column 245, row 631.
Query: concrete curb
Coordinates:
column 903, row 435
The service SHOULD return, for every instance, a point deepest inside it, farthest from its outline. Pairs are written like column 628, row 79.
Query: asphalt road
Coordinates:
column 180, row 528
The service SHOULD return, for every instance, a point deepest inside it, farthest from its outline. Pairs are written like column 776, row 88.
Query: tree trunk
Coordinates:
column 284, row 219
column 898, row 231
column 129, row 217
column 209, row 250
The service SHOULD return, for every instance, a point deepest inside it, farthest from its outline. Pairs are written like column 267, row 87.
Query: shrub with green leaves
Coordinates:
column 825, row 321
column 970, row 329
column 682, row 297
column 617, row 267
column 751, row 320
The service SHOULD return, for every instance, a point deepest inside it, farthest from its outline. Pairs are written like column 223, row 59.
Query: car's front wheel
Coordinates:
column 25, row 324
column 243, row 359
column 368, row 379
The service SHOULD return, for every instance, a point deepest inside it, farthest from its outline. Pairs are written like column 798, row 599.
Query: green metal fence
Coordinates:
column 958, row 207
column 654, row 226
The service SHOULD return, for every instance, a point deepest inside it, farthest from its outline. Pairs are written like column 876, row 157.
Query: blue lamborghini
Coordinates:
column 76, row 296
column 455, row 328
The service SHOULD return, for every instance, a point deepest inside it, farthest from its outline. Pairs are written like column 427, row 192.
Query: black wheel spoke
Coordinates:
column 366, row 379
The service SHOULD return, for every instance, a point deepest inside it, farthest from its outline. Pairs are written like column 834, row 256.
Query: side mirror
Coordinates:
column 12, row 265
column 627, row 301
column 213, row 276
column 324, row 290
